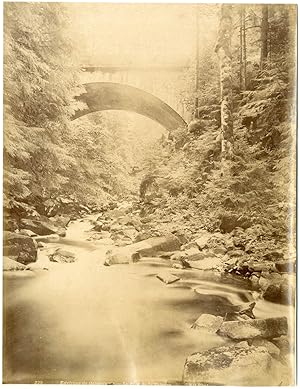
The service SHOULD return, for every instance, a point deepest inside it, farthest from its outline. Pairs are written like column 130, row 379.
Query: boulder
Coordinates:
column 270, row 346
column 241, row 312
column 167, row 277
column 62, row 256
column 278, row 288
column 176, row 255
column 190, row 245
column 256, row 328
column 192, row 251
column 153, row 246
column 19, row 247
column 98, row 226
column 209, row 263
column 39, row 227
column 208, row 322
column 282, row 293
column 198, row 256
column 27, row 232
column 10, row 264
column 228, row 222
column 202, row 241
column 284, row 345
column 286, row 266
column 60, row 220
column 121, row 255
column 235, row 365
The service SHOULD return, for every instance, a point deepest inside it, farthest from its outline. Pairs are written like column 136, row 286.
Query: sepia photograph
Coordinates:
column 149, row 193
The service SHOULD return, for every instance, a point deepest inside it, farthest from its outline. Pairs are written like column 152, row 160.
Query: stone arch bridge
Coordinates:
column 149, row 91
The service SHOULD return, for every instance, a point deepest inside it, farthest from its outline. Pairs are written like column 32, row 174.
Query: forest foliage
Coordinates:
column 46, row 155
column 259, row 190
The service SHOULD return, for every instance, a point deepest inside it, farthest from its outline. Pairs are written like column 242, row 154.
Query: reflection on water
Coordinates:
column 120, row 324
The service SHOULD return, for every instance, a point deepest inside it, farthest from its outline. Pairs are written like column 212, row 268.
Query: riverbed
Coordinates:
column 84, row 322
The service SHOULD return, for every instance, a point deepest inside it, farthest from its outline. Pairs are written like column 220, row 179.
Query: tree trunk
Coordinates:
column 264, row 35
column 243, row 53
column 244, row 48
column 223, row 49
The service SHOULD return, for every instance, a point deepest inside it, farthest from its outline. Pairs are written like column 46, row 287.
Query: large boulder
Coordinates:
column 21, row 248
column 278, row 288
column 10, row 264
column 286, row 266
column 42, row 227
column 121, row 255
column 208, row 322
column 235, row 365
column 147, row 248
column 256, row 328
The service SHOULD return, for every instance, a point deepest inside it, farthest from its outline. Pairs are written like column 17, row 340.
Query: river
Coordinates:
column 84, row 322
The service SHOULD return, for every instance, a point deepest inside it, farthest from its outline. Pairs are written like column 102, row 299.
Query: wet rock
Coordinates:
column 62, row 256
column 282, row 293
column 121, row 255
column 236, row 365
column 209, row 322
column 250, row 329
column 279, row 288
column 19, row 247
column 11, row 265
column 167, row 277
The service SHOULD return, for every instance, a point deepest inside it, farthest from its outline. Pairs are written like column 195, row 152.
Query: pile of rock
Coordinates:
column 259, row 356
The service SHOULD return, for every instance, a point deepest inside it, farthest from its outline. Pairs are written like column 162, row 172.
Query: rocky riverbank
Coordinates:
column 257, row 344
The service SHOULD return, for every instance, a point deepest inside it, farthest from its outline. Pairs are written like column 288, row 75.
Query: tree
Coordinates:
column 264, row 35
column 38, row 98
column 223, row 49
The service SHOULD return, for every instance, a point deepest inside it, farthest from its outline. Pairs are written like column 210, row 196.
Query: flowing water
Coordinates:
column 87, row 323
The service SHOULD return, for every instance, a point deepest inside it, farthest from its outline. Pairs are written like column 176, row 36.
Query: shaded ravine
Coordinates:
column 85, row 322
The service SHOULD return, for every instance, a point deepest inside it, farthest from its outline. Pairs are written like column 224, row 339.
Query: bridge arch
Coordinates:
column 102, row 96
